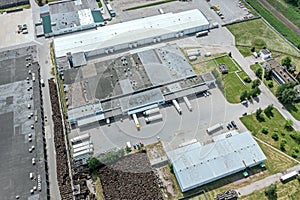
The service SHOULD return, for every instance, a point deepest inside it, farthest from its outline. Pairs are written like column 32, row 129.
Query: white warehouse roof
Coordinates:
column 195, row 165
column 127, row 32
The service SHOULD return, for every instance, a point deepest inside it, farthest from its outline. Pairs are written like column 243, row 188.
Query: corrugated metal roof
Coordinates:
column 195, row 165
column 126, row 32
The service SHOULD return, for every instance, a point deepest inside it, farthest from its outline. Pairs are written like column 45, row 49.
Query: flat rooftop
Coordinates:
column 127, row 74
column 196, row 164
column 130, row 31
column 15, row 126
column 65, row 16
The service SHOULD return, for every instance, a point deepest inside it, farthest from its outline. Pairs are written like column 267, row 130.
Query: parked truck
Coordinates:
column 136, row 121
column 80, row 138
column 188, row 104
column 175, row 103
column 153, row 118
column 151, row 111
column 214, row 128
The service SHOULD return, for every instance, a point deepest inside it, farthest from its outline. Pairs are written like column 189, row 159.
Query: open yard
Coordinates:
column 287, row 191
column 278, row 22
column 257, row 34
column 232, row 85
column 290, row 11
column 272, row 130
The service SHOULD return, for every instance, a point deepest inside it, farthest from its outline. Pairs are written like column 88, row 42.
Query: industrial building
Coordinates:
column 23, row 169
column 131, row 34
column 130, row 84
column 279, row 73
column 196, row 164
column 68, row 16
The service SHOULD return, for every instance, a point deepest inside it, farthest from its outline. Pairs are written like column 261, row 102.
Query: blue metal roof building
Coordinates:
column 195, row 164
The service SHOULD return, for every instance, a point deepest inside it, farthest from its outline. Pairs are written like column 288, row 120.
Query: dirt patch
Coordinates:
column 155, row 151
column 169, row 188
column 131, row 177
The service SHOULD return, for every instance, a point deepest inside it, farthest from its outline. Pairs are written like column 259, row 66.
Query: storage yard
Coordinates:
column 131, row 177
column 62, row 168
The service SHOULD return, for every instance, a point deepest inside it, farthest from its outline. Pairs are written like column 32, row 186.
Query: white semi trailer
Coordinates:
column 175, row 103
column 75, row 146
column 151, row 111
column 214, row 128
column 136, row 121
column 89, row 146
column 80, row 138
column 153, row 118
column 188, row 103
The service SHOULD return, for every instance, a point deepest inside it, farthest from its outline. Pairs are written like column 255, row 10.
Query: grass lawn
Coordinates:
column 256, row 33
column 276, row 162
column 294, row 109
column 27, row 6
column 274, row 124
column 287, row 191
column 288, row 10
column 204, row 67
column 233, row 86
column 275, row 22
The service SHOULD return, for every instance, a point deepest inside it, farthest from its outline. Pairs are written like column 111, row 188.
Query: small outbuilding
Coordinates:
column 265, row 54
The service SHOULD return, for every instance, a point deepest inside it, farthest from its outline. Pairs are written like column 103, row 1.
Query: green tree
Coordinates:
column 288, row 124
column 259, row 115
column 287, row 61
column 244, row 95
column 255, row 83
column 268, row 111
column 275, row 136
column 288, row 96
column 93, row 163
column 270, row 84
column 259, row 73
column 286, row 93
column 271, row 193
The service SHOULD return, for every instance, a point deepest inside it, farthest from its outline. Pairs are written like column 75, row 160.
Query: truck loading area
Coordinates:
column 130, row 85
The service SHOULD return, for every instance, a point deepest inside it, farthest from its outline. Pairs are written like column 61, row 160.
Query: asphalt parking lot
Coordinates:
column 230, row 9
column 176, row 6
column 173, row 130
column 10, row 21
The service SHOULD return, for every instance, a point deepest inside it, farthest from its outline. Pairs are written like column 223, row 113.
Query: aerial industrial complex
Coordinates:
column 146, row 100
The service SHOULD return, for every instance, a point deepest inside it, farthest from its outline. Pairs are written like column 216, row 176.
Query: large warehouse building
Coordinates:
column 131, row 34
column 196, row 164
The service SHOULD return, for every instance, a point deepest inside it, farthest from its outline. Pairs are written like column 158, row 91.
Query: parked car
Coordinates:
column 233, row 124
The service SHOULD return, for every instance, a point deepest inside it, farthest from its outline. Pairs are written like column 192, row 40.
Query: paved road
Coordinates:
column 263, row 183
column 45, row 64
